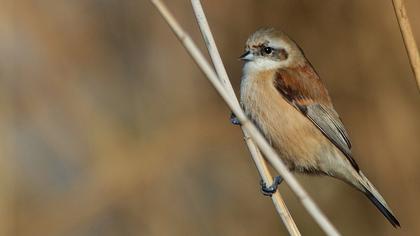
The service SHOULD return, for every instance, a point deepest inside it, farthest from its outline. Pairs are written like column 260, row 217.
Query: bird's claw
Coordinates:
column 270, row 190
column 234, row 120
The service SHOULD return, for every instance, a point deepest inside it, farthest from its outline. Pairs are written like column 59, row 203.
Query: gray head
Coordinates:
column 269, row 49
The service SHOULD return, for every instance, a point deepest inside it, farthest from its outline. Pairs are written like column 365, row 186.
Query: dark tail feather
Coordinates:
column 383, row 209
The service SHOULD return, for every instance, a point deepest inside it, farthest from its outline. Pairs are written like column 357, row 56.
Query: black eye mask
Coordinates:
column 278, row 54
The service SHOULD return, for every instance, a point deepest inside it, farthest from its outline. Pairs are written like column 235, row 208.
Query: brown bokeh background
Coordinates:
column 109, row 128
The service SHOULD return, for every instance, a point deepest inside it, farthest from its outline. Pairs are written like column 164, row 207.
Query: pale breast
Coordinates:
column 300, row 144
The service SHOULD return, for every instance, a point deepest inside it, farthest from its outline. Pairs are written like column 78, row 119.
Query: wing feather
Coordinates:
column 303, row 89
column 331, row 126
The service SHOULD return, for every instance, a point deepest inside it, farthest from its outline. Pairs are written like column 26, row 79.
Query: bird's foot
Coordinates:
column 234, row 120
column 270, row 190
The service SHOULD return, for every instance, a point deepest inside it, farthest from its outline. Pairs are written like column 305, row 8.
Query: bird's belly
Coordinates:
column 296, row 139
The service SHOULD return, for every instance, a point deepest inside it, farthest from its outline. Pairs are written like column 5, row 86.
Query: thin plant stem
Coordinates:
column 255, row 152
column 249, row 127
column 408, row 37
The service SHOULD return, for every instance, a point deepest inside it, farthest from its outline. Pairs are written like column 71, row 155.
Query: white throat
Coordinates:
column 263, row 64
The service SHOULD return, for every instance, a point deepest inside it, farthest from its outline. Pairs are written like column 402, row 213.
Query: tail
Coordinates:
column 378, row 200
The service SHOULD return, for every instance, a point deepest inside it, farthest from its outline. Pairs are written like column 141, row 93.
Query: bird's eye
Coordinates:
column 268, row 50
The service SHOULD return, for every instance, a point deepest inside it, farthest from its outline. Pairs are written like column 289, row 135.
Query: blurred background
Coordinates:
column 109, row 128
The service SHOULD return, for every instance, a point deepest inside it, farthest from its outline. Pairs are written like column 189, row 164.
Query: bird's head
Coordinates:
column 270, row 49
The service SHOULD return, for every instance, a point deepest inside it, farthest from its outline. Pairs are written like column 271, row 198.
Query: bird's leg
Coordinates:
column 234, row 120
column 270, row 190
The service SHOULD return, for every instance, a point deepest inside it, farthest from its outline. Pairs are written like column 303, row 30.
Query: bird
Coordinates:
column 282, row 94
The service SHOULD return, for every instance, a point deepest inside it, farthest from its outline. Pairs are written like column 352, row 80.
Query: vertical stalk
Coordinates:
column 259, row 161
column 408, row 37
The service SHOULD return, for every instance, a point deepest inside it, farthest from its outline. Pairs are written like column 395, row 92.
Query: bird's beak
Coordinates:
column 247, row 56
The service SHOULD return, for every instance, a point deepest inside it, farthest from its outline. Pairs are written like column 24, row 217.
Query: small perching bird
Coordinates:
column 283, row 95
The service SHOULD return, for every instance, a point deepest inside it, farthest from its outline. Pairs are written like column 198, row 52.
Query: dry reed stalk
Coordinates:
column 260, row 163
column 8, row 166
column 409, row 41
column 247, row 125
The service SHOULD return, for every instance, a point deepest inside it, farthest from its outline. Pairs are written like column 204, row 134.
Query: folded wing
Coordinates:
column 303, row 89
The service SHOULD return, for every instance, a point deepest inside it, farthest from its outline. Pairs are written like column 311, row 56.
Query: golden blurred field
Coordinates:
column 109, row 128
